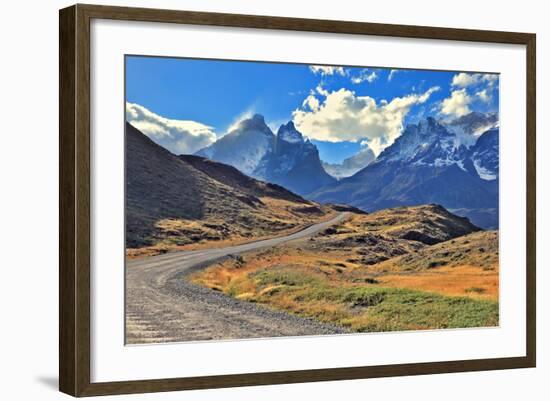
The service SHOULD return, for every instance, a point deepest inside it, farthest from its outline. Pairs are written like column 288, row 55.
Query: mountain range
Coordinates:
column 286, row 159
column 452, row 163
column 430, row 163
column 352, row 164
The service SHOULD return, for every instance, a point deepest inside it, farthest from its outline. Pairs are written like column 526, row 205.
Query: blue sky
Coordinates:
column 339, row 108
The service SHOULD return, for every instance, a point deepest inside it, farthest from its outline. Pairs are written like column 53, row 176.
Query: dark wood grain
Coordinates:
column 301, row 24
column 67, row 265
column 531, row 229
column 74, row 199
column 300, row 376
column 82, row 192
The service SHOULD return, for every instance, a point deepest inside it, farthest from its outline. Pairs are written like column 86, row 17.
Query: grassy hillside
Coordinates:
column 370, row 274
column 372, row 238
column 176, row 202
column 476, row 249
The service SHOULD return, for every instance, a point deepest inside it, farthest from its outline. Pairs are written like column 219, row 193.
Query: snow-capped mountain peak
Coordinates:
column 288, row 133
column 423, row 165
column 254, row 123
column 293, row 163
column 285, row 159
column 422, row 143
column 244, row 146
column 467, row 129
column 352, row 164
column 484, row 155
column 433, row 143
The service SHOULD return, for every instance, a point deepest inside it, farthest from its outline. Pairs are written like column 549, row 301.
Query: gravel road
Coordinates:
column 162, row 306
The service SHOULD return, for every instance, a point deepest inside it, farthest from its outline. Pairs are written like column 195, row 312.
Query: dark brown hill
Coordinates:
column 231, row 176
column 171, row 203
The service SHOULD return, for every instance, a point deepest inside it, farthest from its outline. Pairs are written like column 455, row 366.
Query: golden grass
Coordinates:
column 467, row 281
column 339, row 296
column 308, row 278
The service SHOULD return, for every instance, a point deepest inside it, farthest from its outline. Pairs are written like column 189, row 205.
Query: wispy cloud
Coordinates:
column 245, row 115
column 274, row 125
column 364, row 75
column 328, row 70
column 178, row 136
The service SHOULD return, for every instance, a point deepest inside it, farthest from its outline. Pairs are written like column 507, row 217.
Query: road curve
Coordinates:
column 161, row 306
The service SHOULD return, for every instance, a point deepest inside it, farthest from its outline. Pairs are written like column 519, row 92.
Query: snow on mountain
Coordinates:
column 286, row 159
column 425, row 165
column 288, row 148
column 467, row 129
column 293, row 163
column 454, row 164
column 433, row 143
column 427, row 143
column 352, row 164
column 244, row 147
column 484, row 155
column 289, row 133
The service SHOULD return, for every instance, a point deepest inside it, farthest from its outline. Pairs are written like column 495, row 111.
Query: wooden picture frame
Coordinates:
column 74, row 204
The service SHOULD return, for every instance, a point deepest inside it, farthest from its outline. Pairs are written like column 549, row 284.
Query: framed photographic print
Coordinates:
column 250, row 200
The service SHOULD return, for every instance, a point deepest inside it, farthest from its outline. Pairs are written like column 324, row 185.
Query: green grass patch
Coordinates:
column 365, row 307
column 284, row 277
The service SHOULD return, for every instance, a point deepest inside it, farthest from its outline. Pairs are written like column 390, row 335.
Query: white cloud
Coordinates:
column 344, row 116
column 391, row 74
column 365, row 76
column 178, row 136
column 320, row 90
column 245, row 115
column 327, row 70
column 484, row 96
column 491, row 79
column 311, row 102
column 463, row 79
column 364, row 143
column 457, row 104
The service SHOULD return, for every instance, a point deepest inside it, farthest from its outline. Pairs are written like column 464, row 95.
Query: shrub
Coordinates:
column 477, row 290
column 436, row 263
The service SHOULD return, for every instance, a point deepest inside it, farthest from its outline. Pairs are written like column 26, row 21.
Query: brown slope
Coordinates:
column 428, row 224
column 372, row 238
column 231, row 176
column 170, row 203
column 477, row 249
